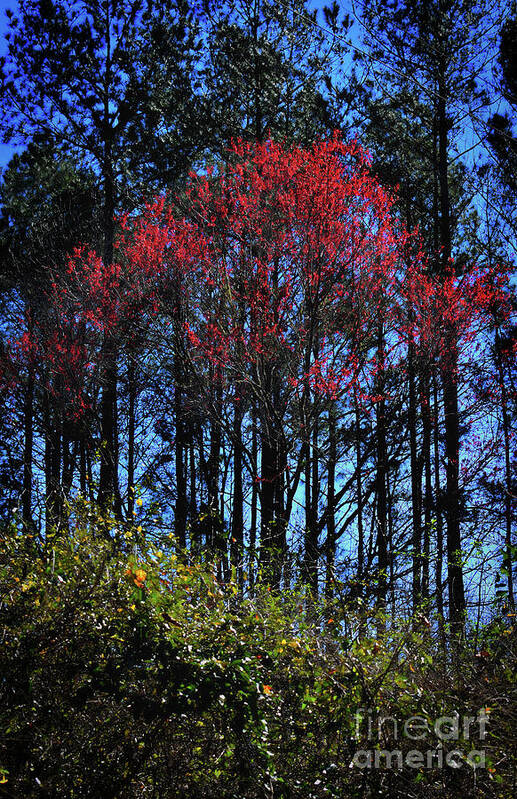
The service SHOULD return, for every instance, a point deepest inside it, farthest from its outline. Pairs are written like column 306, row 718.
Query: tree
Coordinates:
column 432, row 46
column 501, row 136
column 48, row 205
column 291, row 282
column 266, row 63
column 114, row 83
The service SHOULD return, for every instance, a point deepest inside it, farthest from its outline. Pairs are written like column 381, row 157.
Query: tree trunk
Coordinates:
column 254, row 496
column 381, row 471
column 52, row 466
column 359, row 486
column 131, row 379
column 438, row 511
column 237, row 526
column 28, row 442
column 416, row 486
column 108, row 479
column 192, row 490
column 214, row 465
column 331, row 503
column 425, row 411
column 267, row 493
column 449, row 367
column 180, row 507
column 508, row 556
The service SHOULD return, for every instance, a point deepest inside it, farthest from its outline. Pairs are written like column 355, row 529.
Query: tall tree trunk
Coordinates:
column 28, row 443
column 180, row 507
column 267, row 494
column 425, row 411
column 315, row 481
column 180, row 437
column 381, row 471
column 69, row 449
column 272, row 511
column 52, row 429
column 331, row 502
column 131, row 380
column 438, row 511
column 254, row 496
column 214, row 463
column 108, row 478
column 311, row 530
column 311, row 506
column 508, row 556
column 450, row 389
column 83, row 474
column 416, row 486
column 436, row 425
column 257, row 75
column 192, row 487
column 237, row 525
column 274, row 465
column 359, row 488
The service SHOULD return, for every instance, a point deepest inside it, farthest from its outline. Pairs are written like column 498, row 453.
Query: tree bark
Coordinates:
column 416, row 486
column 131, row 379
column 381, row 471
column 508, row 556
column 425, row 411
column 449, row 368
column 331, row 503
column 108, row 478
column 28, row 443
column 237, row 526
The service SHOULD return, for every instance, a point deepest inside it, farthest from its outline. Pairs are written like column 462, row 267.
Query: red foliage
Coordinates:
column 303, row 253
column 288, row 261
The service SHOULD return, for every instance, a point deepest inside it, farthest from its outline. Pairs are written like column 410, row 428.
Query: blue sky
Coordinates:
column 467, row 139
column 6, row 150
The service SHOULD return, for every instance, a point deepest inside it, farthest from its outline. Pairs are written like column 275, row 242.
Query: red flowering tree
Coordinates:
column 297, row 304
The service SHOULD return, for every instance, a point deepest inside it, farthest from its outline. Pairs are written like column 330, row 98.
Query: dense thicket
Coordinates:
column 130, row 675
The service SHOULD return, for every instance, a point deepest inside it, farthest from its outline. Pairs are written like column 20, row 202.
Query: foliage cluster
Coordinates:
column 133, row 671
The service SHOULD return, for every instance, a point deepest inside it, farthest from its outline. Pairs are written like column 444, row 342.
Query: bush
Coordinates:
column 129, row 671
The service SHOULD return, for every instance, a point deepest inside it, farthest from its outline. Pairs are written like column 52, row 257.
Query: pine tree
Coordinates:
column 113, row 83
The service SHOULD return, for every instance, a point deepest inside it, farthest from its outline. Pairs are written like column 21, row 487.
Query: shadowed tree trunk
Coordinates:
column 28, row 442
column 331, row 502
column 449, row 367
column 416, row 486
column 237, row 525
column 381, row 470
column 131, row 379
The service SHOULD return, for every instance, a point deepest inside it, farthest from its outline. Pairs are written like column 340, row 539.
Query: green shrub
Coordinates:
column 127, row 671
